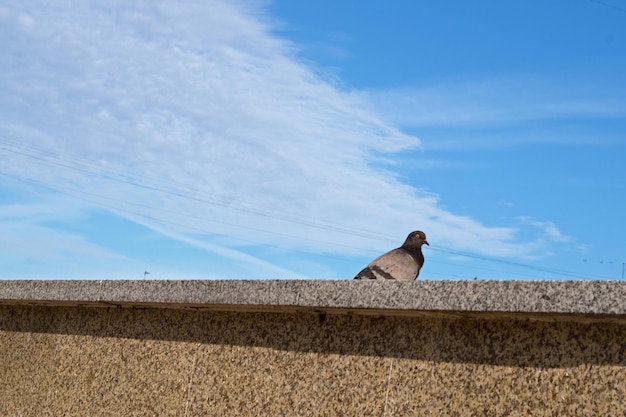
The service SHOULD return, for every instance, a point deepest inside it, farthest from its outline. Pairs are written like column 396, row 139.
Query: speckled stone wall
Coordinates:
column 79, row 361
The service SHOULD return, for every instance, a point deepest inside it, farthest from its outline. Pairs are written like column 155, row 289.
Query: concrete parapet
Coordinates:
column 290, row 347
column 592, row 299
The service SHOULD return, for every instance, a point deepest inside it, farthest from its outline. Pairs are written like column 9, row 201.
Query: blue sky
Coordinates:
column 296, row 139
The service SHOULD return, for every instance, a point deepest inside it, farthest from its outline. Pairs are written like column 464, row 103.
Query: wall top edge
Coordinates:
column 591, row 298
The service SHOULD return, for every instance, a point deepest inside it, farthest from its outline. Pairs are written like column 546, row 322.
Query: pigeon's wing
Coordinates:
column 397, row 264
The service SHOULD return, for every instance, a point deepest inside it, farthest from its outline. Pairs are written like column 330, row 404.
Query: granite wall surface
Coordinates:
column 138, row 360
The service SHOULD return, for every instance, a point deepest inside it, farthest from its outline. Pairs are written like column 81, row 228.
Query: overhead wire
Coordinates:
column 276, row 214
column 609, row 5
column 156, row 185
column 76, row 194
column 513, row 263
column 80, row 195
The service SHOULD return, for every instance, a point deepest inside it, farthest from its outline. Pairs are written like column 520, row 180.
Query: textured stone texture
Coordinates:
column 70, row 350
column 78, row 361
column 590, row 298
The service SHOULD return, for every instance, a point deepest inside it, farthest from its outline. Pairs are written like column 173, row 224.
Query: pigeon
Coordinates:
column 403, row 263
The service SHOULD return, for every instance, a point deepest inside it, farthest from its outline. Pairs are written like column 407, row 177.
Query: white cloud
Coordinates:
column 32, row 240
column 192, row 119
column 548, row 229
column 499, row 101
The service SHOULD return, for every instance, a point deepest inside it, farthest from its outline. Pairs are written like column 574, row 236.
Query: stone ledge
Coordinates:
column 578, row 300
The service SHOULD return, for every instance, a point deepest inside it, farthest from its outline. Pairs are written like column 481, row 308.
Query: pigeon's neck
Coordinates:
column 416, row 252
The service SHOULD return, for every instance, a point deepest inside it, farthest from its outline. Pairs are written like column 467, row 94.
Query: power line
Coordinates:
column 163, row 187
column 80, row 195
column 68, row 164
column 555, row 271
column 612, row 6
column 73, row 194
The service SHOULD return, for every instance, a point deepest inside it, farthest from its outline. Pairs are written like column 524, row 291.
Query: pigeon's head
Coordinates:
column 417, row 238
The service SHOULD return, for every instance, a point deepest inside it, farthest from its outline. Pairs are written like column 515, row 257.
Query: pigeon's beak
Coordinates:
column 426, row 242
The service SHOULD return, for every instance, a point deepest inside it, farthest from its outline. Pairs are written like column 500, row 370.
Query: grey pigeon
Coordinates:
column 403, row 263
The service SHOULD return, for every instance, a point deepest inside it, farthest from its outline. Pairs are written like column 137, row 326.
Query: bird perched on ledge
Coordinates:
column 403, row 263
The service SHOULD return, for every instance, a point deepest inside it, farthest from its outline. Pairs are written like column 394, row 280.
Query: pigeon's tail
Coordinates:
column 366, row 273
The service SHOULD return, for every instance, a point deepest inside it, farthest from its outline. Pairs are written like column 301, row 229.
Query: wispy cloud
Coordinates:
column 28, row 232
column 549, row 230
column 35, row 236
column 500, row 101
column 193, row 119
